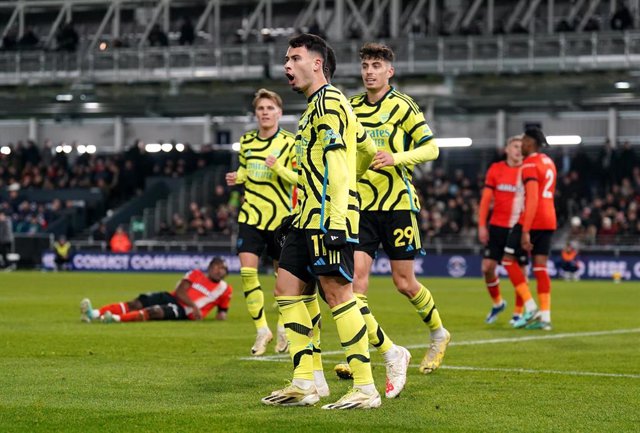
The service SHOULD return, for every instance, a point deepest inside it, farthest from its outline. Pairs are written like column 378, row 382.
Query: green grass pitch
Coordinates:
column 60, row 375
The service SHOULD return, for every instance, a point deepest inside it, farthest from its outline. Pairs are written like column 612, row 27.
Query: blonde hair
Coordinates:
column 267, row 94
column 514, row 138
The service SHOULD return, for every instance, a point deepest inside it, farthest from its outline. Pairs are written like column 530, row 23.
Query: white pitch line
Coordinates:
column 476, row 342
column 499, row 370
column 526, row 370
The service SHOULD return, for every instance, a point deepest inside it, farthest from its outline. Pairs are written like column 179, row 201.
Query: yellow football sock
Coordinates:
column 313, row 307
column 377, row 336
column 426, row 307
column 253, row 296
column 353, row 336
column 298, row 327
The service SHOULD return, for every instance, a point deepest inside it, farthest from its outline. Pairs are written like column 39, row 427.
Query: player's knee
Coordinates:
column 360, row 283
column 405, row 284
column 488, row 268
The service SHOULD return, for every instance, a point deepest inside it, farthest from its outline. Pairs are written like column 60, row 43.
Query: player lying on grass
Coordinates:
column 194, row 297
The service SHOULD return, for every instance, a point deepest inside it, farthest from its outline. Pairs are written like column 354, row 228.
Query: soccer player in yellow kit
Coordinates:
column 389, row 206
column 333, row 150
column 267, row 161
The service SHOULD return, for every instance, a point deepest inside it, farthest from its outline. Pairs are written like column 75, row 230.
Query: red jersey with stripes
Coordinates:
column 508, row 193
column 539, row 168
column 205, row 293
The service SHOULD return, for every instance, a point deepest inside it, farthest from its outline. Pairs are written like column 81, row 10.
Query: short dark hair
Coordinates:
column 329, row 67
column 317, row 45
column 537, row 135
column 373, row 50
column 218, row 261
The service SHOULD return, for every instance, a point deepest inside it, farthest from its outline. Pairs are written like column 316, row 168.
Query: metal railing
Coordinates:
column 415, row 55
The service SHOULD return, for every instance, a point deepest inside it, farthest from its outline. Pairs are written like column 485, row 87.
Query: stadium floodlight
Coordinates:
column 153, row 147
column 563, row 140
column 5, row 150
column 454, row 142
column 166, row 147
column 235, row 147
column 81, row 149
column 58, row 149
column 91, row 105
column 623, row 85
column 64, row 97
column 180, row 147
column 91, row 148
column 67, row 148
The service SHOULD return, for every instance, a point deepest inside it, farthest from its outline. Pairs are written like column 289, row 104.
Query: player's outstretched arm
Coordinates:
column 427, row 151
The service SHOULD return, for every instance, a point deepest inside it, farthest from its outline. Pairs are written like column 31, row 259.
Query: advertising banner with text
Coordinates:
column 456, row 266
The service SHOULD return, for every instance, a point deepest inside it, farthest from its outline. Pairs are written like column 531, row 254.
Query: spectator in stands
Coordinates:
column 157, row 37
column 223, row 220
column 628, row 161
column 67, row 38
column 6, row 238
column 607, row 231
column 29, row 39
column 622, row 19
column 100, row 233
column 178, row 225
column 164, row 230
column 128, row 181
column 120, row 242
column 592, row 24
column 196, row 219
column 606, row 166
column 568, row 263
column 10, row 41
column 62, row 250
column 187, row 32
column 565, row 26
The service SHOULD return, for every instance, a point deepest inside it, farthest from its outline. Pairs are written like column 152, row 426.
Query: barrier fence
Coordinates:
column 442, row 265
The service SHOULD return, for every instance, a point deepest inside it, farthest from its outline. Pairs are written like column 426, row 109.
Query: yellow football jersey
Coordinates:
column 396, row 124
column 267, row 197
column 327, row 193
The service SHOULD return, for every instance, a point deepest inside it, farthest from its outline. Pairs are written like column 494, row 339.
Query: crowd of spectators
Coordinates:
column 27, row 216
column 217, row 216
column 118, row 176
column 599, row 197
column 597, row 200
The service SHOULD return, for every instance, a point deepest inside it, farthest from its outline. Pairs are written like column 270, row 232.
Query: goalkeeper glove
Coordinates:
column 335, row 239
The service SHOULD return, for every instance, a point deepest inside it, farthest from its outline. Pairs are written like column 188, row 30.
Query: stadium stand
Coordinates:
column 187, row 69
